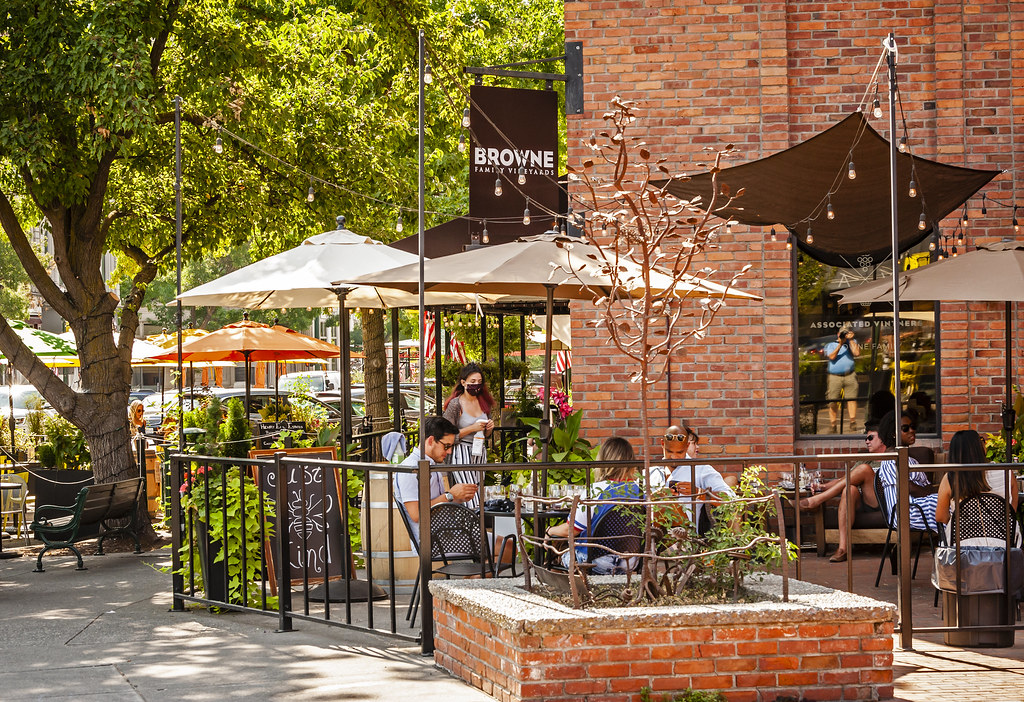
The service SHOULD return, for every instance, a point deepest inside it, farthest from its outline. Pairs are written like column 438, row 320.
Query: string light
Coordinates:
column 465, row 118
column 912, row 192
column 931, row 244
column 810, row 235
column 526, row 212
column 774, row 238
column 462, row 143
column 311, row 195
column 954, row 252
column 941, row 255
column 428, row 77
column 1016, row 225
column 960, row 238
column 902, row 146
column 922, row 223
column 983, row 210
column 522, row 176
column 876, row 109
column 398, row 225
column 963, row 219
column 218, row 145
column 485, row 237
column 497, row 187
column 851, row 173
column 789, row 243
column 830, row 213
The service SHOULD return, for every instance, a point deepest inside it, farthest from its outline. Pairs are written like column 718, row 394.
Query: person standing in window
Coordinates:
column 468, row 408
column 842, row 378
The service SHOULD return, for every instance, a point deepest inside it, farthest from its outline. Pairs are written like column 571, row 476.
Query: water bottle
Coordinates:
column 398, row 456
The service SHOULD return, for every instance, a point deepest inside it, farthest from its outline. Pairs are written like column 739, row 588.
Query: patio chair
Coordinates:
column 14, row 506
column 620, row 528
column 890, row 545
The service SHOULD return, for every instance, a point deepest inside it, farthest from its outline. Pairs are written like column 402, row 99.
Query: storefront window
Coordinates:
column 845, row 357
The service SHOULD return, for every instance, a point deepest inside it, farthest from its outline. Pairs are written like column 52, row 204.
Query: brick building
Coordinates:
column 766, row 76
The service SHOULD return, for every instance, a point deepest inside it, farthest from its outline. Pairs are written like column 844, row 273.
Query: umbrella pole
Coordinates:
column 396, row 386
column 344, row 368
column 1009, row 414
column 545, row 423
column 247, row 384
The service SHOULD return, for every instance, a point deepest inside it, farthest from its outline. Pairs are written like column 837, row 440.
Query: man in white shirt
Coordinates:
column 440, row 436
column 695, row 484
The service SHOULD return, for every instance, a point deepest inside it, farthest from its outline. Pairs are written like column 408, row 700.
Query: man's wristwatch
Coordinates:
column 448, row 496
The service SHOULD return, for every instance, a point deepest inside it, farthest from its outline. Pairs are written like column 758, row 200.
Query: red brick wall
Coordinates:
column 764, row 76
column 820, row 660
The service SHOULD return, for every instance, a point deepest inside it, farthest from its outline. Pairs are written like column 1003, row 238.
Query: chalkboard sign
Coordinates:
column 313, row 491
column 268, row 431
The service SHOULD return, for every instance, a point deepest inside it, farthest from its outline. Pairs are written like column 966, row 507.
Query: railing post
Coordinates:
column 177, row 580
column 426, row 570
column 284, row 570
column 904, row 600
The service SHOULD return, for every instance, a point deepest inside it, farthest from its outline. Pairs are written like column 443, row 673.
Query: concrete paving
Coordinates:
column 108, row 633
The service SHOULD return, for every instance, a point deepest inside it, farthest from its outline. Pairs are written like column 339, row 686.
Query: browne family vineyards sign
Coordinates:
column 514, row 144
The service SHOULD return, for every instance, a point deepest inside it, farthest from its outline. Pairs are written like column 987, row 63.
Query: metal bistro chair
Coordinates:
column 13, row 503
column 620, row 529
column 890, row 546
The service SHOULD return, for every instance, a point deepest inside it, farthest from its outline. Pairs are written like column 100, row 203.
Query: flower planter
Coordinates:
column 215, row 574
column 822, row 644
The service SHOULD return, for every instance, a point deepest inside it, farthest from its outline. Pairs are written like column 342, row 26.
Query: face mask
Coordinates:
column 474, row 390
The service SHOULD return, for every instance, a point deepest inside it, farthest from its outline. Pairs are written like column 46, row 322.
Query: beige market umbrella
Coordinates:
column 991, row 273
column 546, row 266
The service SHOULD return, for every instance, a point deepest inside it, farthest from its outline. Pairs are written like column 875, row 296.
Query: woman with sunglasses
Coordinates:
column 468, row 408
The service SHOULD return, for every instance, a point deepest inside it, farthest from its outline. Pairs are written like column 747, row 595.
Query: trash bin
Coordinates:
column 977, row 610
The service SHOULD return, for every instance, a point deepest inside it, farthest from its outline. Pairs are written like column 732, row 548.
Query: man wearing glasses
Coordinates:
column 440, row 436
column 695, row 484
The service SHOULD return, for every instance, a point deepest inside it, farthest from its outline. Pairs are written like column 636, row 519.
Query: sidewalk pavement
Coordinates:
column 108, row 633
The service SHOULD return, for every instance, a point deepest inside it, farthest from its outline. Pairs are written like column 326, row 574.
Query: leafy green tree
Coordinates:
column 87, row 98
column 13, row 284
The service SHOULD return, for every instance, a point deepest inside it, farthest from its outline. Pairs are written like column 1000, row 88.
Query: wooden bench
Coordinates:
column 63, row 527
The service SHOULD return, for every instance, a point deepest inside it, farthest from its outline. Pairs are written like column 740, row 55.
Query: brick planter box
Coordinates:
column 823, row 644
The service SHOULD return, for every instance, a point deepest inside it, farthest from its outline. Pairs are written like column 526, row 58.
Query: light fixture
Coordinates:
column 462, row 143
column 965, row 216
column 931, row 245
column 960, row 238
column 1016, row 225
column 569, row 218
column 912, row 191
column 522, row 176
column 830, row 213
column 497, row 187
column 774, row 238
column 398, row 225
column 941, row 254
column 922, row 223
column 311, row 195
column 876, row 109
column 728, row 226
column 526, row 212
column 851, row 173
column 902, row 146
column 789, row 243
column 428, row 77
column 810, row 234
column 983, row 210
column 218, row 145
column 485, row 237
column 465, row 117
column 954, row 252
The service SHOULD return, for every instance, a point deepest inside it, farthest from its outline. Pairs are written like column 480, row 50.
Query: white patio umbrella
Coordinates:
column 991, row 273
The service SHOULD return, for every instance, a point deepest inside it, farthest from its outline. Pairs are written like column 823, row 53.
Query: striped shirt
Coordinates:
column 887, row 473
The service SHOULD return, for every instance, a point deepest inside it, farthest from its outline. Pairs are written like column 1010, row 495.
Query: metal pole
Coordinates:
column 177, row 250
column 396, row 386
column 545, row 422
column 892, row 55
column 420, row 215
column 344, row 373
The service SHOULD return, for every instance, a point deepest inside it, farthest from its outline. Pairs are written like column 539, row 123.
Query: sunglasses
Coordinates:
column 909, row 427
column 870, row 437
column 446, row 446
column 682, row 437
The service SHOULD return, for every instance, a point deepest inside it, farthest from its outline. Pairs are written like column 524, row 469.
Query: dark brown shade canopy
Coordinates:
column 792, row 188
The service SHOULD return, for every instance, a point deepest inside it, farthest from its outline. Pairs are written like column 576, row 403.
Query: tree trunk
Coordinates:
column 375, row 369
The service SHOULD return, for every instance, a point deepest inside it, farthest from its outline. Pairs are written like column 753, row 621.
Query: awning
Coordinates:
column 791, row 188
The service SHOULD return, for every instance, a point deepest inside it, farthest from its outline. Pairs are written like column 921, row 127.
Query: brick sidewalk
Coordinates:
column 934, row 672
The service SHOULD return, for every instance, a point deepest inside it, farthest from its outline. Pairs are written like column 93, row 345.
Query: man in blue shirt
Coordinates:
column 842, row 379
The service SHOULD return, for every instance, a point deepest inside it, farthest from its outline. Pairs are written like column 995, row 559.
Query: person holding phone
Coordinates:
column 842, row 377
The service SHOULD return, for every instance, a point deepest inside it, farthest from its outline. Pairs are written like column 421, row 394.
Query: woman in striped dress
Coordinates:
column 468, row 408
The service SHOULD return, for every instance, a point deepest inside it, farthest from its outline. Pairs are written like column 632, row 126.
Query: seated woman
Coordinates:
column 966, row 448
column 613, row 483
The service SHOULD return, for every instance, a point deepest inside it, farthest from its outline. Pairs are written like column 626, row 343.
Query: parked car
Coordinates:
column 410, row 401
column 309, row 382
column 258, row 399
column 26, row 398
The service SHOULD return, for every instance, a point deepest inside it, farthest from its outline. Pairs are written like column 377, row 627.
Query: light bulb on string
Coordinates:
column 789, row 243
column 912, row 191
column 954, row 252
column 965, row 217
column 876, row 109
column 522, row 176
column 810, row 235
column 829, row 212
column 941, row 256
column 465, row 117
column 931, row 244
column 902, row 146
column 428, row 77
column 526, row 212
column 851, row 172
column 497, row 187
column 983, row 210
column 774, row 237
column 462, row 143
column 311, row 194
column 398, row 224
column 960, row 238
column 1016, row 225
column 218, row 145
column 922, row 222
column 485, row 237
